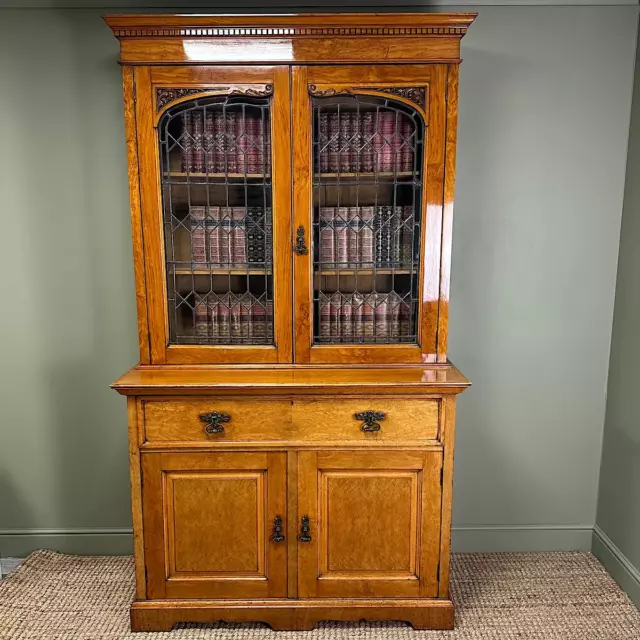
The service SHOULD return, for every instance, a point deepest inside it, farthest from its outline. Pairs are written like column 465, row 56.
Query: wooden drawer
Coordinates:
column 320, row 420
column 325, row 419
column 252, row 419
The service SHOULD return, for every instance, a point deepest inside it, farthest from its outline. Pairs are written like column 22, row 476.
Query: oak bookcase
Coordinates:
column 291, row 420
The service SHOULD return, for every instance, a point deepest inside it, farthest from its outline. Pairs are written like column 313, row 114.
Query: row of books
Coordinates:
column 352, row 236
column 231, row 235
column 360, row 317
column 234, row 316
column 369, row 141
column 225, row 142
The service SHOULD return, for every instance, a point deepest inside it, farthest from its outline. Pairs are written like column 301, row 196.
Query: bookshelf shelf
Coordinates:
column 368, row 175
column 183, row 175
column 233, row 271
column 349, row 271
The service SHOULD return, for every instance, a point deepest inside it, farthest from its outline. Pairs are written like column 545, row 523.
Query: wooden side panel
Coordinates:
column 375, row 524
column 210, row 520
column 128, row 87
column 448, row 438
column 135, row 437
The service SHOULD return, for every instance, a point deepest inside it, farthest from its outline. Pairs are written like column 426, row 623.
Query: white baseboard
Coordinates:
column 617, row 564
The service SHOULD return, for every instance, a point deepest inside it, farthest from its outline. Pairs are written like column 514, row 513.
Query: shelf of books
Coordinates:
column 367, row 198
column 215, row 156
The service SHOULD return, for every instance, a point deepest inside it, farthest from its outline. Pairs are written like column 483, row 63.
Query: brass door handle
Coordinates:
column 277, row 530
column 371, row 420
column 214, row 421
column 300, row 247
column 305, row 530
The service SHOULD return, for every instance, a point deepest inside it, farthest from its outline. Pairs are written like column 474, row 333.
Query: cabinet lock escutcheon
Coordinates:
column 305, row 530
column 213, row 421
column 277, row 530
column 300, row 246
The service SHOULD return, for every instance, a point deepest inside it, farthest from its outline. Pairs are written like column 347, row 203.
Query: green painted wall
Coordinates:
column 619, row 501
column 545, row 103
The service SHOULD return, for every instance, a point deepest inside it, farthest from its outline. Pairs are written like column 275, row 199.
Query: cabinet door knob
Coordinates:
column 371, row 420
column 300, row 247
column 305, row 530
column 277, row 530
column 214, row 421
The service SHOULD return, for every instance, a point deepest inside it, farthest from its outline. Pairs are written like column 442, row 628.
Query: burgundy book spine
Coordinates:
column 267, row 146
column 342, row 236
column 215, row 322
column 246, row 316
column 201, row 319
column 382, row 316
column 323, row 142
column 209, row 140
column 219, row 125
column 327, row 238
column 357, row 302
column 242, row 144
column 214, row 235
column 239, row 237
column 408, row 144
column 224, row 332
column 367, row 317
column 336, row 306
column 225, row 239
column 394, row 303
column 258, row 326
column 198, row 242
column 356, row 143
column 365, row 242
column 235, row 314
column 325, row 318
column 198, row 142
column 386, row 128
column 255, row 141
column 230, row 157
column 345, row 142
column 366, row 160
column 346, row 319
column 334, row 143
column 186, row 142
column 352, row 236
column 406, row 313
column 269, row 323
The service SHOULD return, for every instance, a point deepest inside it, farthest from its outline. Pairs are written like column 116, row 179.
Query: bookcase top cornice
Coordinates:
column 289, row 25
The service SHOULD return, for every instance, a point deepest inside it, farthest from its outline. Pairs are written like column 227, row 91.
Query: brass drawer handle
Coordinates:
column 370, row 420
column 213, row 421
column 305, row 530
column 277, row 530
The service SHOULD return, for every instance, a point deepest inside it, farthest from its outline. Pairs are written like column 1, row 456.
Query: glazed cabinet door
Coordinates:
column 369, row 176
column 369, row 523
column 214, row 525
column 213, row 151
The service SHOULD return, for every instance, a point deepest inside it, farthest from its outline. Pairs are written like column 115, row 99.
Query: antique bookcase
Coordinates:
column 292, row 416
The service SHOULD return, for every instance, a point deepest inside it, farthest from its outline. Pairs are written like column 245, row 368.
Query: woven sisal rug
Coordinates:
column 520, row 596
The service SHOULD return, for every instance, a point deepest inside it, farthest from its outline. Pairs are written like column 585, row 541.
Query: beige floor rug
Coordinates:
column 526, row 596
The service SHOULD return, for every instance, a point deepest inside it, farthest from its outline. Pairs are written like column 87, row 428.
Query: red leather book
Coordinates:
column 230, row 159
column 342, row 236
column 346, row 318
column 408, row 144
column 323, row 142
column 327, row 236
column 353, row 219
column 218, row 156
column 255, row 142
column 201, row 318
column 198, row 241
column 186, row 142
column 197, row 153
column 381, row 316
column 242, row 142
column 345, row 142
column 238, row 236
column 334, row 143
column 325, row 318
column 367, row 154
column 365, row 239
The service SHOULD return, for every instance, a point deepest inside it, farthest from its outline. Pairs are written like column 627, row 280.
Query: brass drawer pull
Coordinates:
column 213, row 421
column 370, row 420
column 277, row 530
column 305, row 530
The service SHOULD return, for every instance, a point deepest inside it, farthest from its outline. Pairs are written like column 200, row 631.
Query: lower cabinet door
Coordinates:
column 369, row 523
column 212, row 524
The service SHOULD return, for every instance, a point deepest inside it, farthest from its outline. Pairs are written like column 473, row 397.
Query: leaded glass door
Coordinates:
column 369, row 164
column 222, row 145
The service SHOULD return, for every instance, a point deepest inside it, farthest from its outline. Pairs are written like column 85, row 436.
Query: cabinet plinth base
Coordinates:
column 289, row 615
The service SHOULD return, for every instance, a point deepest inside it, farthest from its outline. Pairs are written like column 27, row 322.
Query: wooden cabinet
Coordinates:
column 291, row 419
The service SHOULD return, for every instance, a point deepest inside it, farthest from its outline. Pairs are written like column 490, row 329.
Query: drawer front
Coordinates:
column 264, row 420
column 250, row 420
column 324, row 419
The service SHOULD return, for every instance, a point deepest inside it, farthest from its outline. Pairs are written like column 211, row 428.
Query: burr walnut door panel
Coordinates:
column 369, row 523
column 369, row 212
column 213, row 525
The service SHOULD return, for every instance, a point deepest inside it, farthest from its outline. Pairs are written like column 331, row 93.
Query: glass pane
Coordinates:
column 367, row 198
column 215, row 156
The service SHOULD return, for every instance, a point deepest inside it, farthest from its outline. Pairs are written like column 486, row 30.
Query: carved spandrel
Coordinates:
column 165, row 95
column 417, row 95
